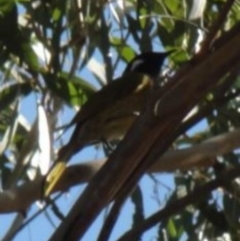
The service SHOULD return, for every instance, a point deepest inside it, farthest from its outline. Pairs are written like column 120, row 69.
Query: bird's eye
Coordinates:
column 136, row 64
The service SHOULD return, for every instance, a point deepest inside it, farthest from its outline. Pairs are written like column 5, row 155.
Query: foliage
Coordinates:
column 55, row 54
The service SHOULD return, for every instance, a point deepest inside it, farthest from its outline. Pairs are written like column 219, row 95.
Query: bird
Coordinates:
column 110, row 112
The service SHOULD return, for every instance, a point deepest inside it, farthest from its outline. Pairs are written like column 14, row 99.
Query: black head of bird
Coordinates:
column 149, row 63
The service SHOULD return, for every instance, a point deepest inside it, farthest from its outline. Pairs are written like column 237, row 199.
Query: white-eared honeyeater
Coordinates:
column 111, row 111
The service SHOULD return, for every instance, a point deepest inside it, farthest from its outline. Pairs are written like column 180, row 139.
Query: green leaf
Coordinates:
column 171, row 228
column 29, row 56
column 126, row 53
column 6, row 6
column 74, row 91
column 56, row 14
column 144, row 20
column 115, row 41
column 172, row 5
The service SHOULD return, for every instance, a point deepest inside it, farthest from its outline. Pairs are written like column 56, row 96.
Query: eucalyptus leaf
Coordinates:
column 9, row 93
column 75, row 91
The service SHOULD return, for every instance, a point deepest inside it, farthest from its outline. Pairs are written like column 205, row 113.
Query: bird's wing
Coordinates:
column 111, row 93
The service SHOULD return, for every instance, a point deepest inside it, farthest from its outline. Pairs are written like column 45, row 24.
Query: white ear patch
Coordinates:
column 136, row 63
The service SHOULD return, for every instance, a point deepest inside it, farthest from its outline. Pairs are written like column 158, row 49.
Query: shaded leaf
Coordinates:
column 74, row 91
column 10, row 131
column 29, row 56
column 8, row 93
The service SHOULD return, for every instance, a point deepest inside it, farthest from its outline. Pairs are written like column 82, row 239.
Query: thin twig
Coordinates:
column 216, row 26
column 111, row 218
column 195, row 196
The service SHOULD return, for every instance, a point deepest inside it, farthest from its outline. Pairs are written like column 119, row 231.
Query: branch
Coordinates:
column 217, row 25
column 202, row 155
column 149, row 137
column 195, row 196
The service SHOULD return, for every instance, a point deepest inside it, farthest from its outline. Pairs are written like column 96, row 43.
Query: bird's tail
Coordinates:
column 53, row 177
column 59, row 167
